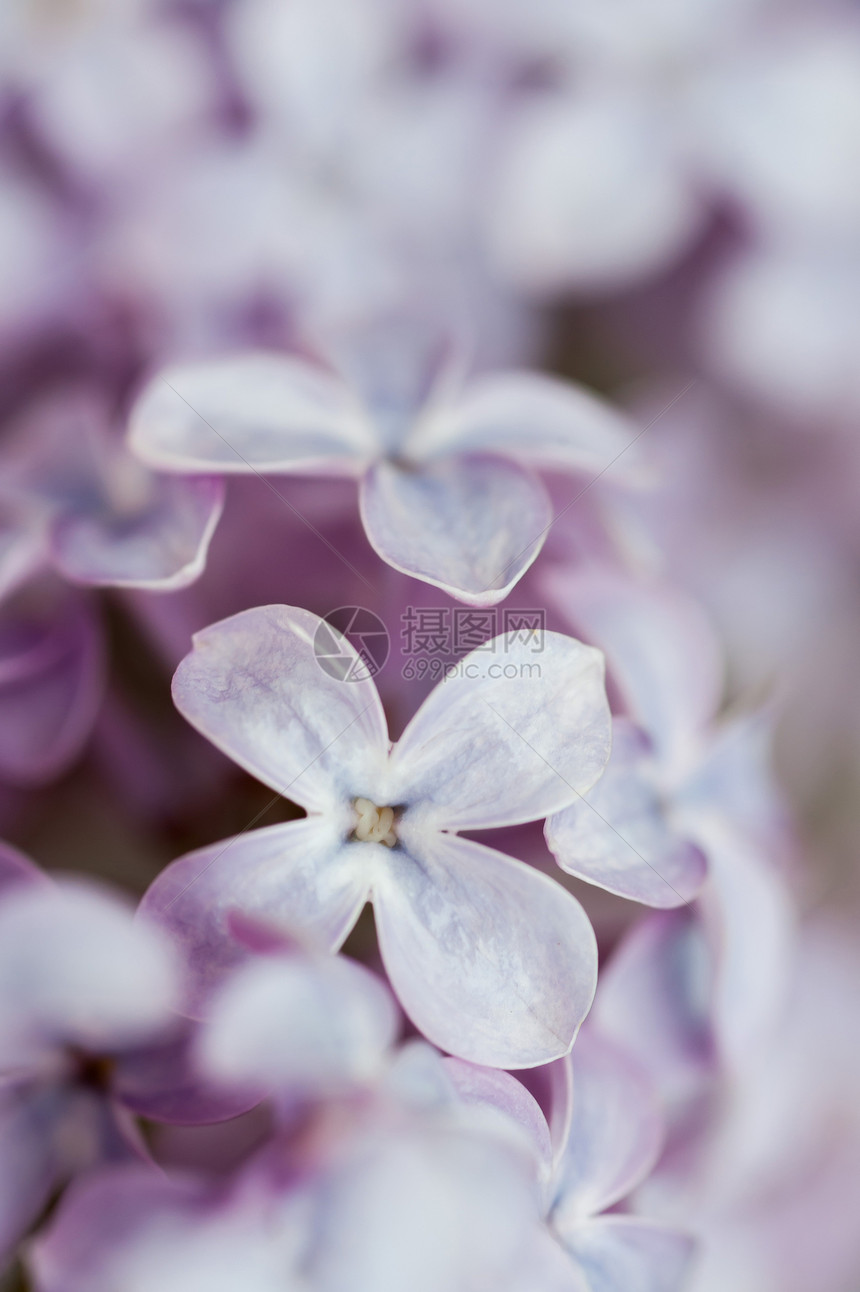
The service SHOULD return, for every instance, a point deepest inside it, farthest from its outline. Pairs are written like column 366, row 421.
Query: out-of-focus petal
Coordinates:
column 131, row 1227
column 616, row 1132
column 424, row 1209
column 28, row 1165
column 494, row 1092
column 471, row 526
column 519, row 729
column 624, row 1254
column 398, row 363
column 654, row 1000
column 491, row 960
column 76, row 968
column 536, row 419
column 780, row 322
column 780, row 125
column 256, row 412
column 618, row 837
column 751, row 923
column 736, row 776
column 659, row 648
column 51, row 680
column 16, row 869
column 256, row 686
column 162, row 1083
column 592, row 192
column 161, row 547
column 546, row 1266
column 22, row 550
column 299, row 876
column 298, row 1026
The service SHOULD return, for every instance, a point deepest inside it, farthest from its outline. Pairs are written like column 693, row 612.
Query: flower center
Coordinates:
column 374, row 824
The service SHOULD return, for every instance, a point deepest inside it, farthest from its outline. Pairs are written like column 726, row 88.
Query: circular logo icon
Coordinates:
column 351, row 644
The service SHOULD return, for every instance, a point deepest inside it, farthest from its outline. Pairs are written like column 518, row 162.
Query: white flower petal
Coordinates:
column 520, row 729
column 256, row 686
column 471, row 526
column 255, row 412
column 491, row 960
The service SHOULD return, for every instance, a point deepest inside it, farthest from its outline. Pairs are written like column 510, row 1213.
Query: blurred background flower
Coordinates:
column 655, row 204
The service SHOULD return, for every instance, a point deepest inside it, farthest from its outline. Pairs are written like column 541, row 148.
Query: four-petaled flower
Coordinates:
column 490, row 959
column 448, row 494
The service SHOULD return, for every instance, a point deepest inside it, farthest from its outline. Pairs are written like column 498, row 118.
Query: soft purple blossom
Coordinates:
column 491, row 959
column 447, row 491
column 89, row 1035
column 608, row 1135
column 407, row 1189
column 639, row 831
column 87, row 508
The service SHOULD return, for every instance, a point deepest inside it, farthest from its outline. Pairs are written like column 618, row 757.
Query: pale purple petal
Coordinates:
column 547, row 1267
column 256, row 412
column 161, row 546
column 592, row 192
column 424, row 1209
column 28, row 1165
column 397, row 363
column 536, row 419
column 615, row 1135
column 560, row 1080
column 518, row 730
column 300, row 1026
column 491, row 960
column 16, row 869
column 91, row 1239
column 751, row 921
column 618, row 835
column 624, row 1254
column 22, row 551
column 660, row 650
column 492, row 1089
column 255, row 687
column 471, row 526
column 655, row 999
column 298, row 876
column 162, row 1083
column 51, row 680
column 76, row 968
column 736, row 776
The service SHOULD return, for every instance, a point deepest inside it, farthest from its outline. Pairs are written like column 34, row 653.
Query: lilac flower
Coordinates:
column 76, row 506
column 489, row 958
column 676, row 778
column 596, row 1149
column 77, row 501
column 88, row 1035
column 406, row 1190
column 447, row 493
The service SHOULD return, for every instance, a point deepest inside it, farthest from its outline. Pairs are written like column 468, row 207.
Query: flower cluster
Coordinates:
column 457, row 401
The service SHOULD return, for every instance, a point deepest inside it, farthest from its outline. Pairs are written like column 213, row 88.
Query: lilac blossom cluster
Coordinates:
column 457, row 401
